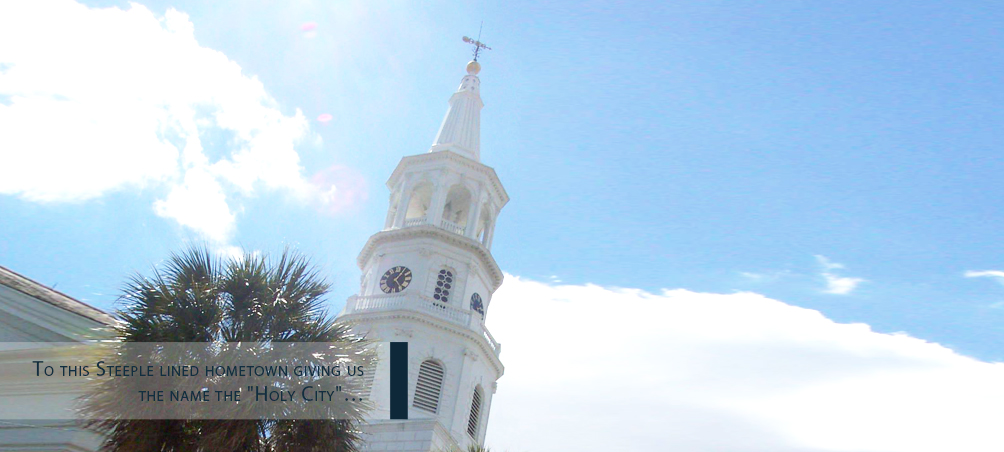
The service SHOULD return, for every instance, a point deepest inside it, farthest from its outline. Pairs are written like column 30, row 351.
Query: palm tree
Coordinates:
column 198, row 297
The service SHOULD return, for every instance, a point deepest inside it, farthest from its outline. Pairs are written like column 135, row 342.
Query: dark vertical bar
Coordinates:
column 399, row 380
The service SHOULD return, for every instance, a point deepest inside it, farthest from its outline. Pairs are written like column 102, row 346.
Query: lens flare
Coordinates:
column 308, row 30
column 340, row 188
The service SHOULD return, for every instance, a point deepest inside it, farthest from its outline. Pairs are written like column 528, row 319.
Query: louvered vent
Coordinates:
column 472, row 423
column 430, row 384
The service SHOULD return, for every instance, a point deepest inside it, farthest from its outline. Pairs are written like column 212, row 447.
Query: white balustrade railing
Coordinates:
column 496, row 347
column 453, row 227
column 449, row 313
column 358, row 304
column 414, row 221
column 444, row 224
column 419, row 303
column 402, row 301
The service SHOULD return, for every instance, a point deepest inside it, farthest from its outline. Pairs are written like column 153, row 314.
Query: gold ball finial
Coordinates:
column 473, row 68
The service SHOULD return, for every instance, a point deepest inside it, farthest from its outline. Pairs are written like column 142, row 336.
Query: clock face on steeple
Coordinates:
column 395, row 280
column 477, row 305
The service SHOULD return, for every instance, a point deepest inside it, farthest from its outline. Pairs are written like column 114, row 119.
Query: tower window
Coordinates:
column 430, row 384
column 444, row 284
column 472, row 423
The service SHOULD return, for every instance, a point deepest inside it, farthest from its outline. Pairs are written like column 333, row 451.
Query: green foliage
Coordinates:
column 196, row 296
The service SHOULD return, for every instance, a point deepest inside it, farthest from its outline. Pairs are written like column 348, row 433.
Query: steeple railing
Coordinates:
column 415, row 222
column 496, row 347
column 443, row 224
column 453, row 227
column 420, row 303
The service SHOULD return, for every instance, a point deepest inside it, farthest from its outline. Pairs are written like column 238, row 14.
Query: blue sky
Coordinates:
column 712, row 146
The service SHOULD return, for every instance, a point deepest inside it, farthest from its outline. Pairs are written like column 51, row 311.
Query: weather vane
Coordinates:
column 478, row 45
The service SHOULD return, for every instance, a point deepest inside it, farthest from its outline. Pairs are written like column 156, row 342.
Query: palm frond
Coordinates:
column 194, row 296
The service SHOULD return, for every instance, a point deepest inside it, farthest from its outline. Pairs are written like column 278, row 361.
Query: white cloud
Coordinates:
column 840, row 285
column 753, row 276
column 98, row 100
column 827, row 263
column 765, row 277
column 200, row 204
column 836, row 284
column 592, row 368
column 997, row 275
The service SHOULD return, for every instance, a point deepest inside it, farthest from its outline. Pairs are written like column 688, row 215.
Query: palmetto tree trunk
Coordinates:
column 196, row 296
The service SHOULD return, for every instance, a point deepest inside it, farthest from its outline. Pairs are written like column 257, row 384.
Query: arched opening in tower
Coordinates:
column 455, row 211
column 418, row 205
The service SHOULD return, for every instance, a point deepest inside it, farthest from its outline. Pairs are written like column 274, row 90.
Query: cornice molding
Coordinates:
column 439, row 324
column 39, row 292
column 451, row 156
column 44, row 321
column 394, row 235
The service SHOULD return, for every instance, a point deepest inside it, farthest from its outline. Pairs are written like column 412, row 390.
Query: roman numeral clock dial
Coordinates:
column 395, row 280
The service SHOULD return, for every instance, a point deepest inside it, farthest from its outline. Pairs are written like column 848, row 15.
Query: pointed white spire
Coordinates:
column 461, row 129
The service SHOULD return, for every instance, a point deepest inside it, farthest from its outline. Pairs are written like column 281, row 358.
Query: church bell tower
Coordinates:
column 428, row 279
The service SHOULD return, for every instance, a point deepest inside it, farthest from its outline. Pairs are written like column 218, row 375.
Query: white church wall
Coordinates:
column 465, row 368
column 32, row 317
column 408, row 436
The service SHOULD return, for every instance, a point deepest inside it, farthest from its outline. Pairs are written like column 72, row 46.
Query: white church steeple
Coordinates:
column 448, row 187
column 428, row 279
column 461, row 128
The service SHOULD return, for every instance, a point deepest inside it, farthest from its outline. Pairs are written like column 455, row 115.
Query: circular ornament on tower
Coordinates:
column 477, row 305
column 395, row 280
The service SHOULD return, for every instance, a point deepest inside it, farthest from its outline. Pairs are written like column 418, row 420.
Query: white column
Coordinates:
column 438, row 202
column 473, row 218
column 490, row 228
column 392, row 210
column 402, row 205
column 460, row 414
column 486, row 407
